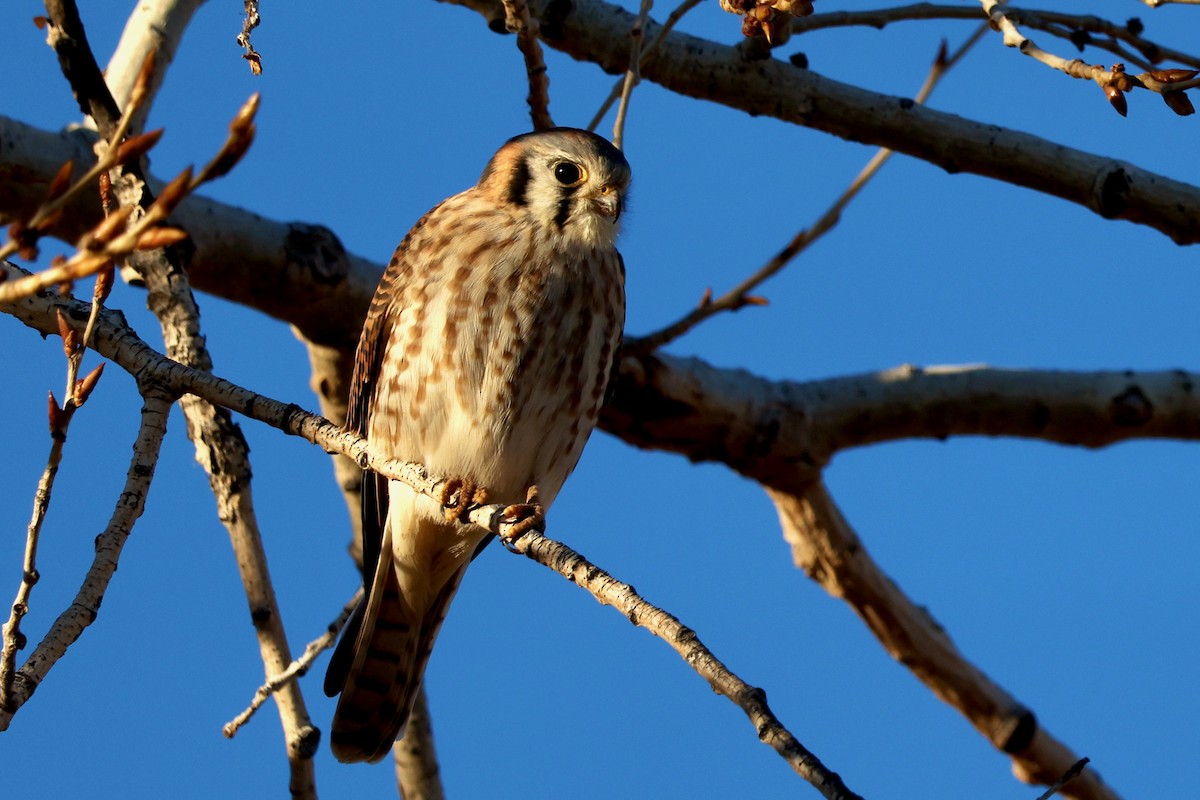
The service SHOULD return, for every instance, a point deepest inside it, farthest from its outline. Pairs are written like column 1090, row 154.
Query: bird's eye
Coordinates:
column 568, row 174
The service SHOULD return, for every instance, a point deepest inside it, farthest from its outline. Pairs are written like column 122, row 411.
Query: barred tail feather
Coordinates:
column 379, row 667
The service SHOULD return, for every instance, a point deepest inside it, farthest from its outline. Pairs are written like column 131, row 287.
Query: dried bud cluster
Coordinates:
column 769, row 19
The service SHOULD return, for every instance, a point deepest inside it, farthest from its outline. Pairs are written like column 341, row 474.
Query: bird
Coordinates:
column 486, row 355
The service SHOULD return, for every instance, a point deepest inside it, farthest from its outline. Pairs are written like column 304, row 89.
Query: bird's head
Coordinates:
column 573, row 183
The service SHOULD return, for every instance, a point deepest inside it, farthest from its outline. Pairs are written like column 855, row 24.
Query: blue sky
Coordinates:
column 1065, row 574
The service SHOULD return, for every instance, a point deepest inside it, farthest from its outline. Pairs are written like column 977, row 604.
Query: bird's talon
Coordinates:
column 458, row 496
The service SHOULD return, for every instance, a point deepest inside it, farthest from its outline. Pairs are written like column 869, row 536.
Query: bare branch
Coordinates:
column 518, row 21
column 251, row 22
column 294, row 670
column 830, row 552
column 13, row 638
column 86, row 606
column 220, row 447
column 595, row 31
column 418, row 776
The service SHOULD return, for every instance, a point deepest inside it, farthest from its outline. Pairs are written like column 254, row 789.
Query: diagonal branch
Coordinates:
column 830, row 552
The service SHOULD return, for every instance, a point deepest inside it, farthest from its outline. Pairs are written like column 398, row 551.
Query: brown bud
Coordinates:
column 244, row 119
column 1117, row 98
column 133, row 149
column 104, row 283
column 174, row 192
column 106, row 196
column 40, row 23
column 1121, row 80
column 56, row 416
column 234, row 149
column 778, row 29
column 61, row 182
column 706, row 298
column 751, row 27
column 1178, row 102
column 1173, row 75
column 160, row 237
column 141, row 85
column 109, row 227
column 83, row 388
column 755, row 300
column 70, row 336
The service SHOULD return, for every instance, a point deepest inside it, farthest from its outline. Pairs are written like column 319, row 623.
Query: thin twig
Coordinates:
column 1067, row 777
column 632, row 75
column 252, row 21
column 1007, row 24
column 294, row 670
column 518, row 20
column 14, row 639
column 739, row 296
column 619, row 86
column 83, row 610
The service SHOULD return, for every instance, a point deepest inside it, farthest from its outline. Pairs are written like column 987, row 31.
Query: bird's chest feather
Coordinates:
column 497, row 362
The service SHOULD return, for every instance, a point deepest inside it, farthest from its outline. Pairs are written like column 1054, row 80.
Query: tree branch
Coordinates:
column 595, row 31
column 83, row 610
column 828, row 550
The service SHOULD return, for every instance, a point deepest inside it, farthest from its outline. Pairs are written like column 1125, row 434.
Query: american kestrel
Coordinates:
column 485, row 356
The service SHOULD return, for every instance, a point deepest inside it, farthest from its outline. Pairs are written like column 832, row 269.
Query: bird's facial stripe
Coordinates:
column 564, row 209
column 519, row 185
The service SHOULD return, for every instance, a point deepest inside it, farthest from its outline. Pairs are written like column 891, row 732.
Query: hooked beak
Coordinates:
column 608, row 202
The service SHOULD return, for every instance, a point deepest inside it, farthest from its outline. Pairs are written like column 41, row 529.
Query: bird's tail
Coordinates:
column 379, row 663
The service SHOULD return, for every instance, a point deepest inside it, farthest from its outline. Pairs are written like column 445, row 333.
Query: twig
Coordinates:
column 1115, row 81
column 739, row 296
column 632, row 75
column 294, row 670
column 84, row 608
column 619, row 86
column 1067, row 777
column 14, row 639
column 518, row 20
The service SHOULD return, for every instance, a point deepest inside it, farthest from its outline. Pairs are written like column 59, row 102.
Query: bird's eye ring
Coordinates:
column 569, row 174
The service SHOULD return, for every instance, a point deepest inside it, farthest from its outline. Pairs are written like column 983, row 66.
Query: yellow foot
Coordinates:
column 524, row 517
column 458, row 496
